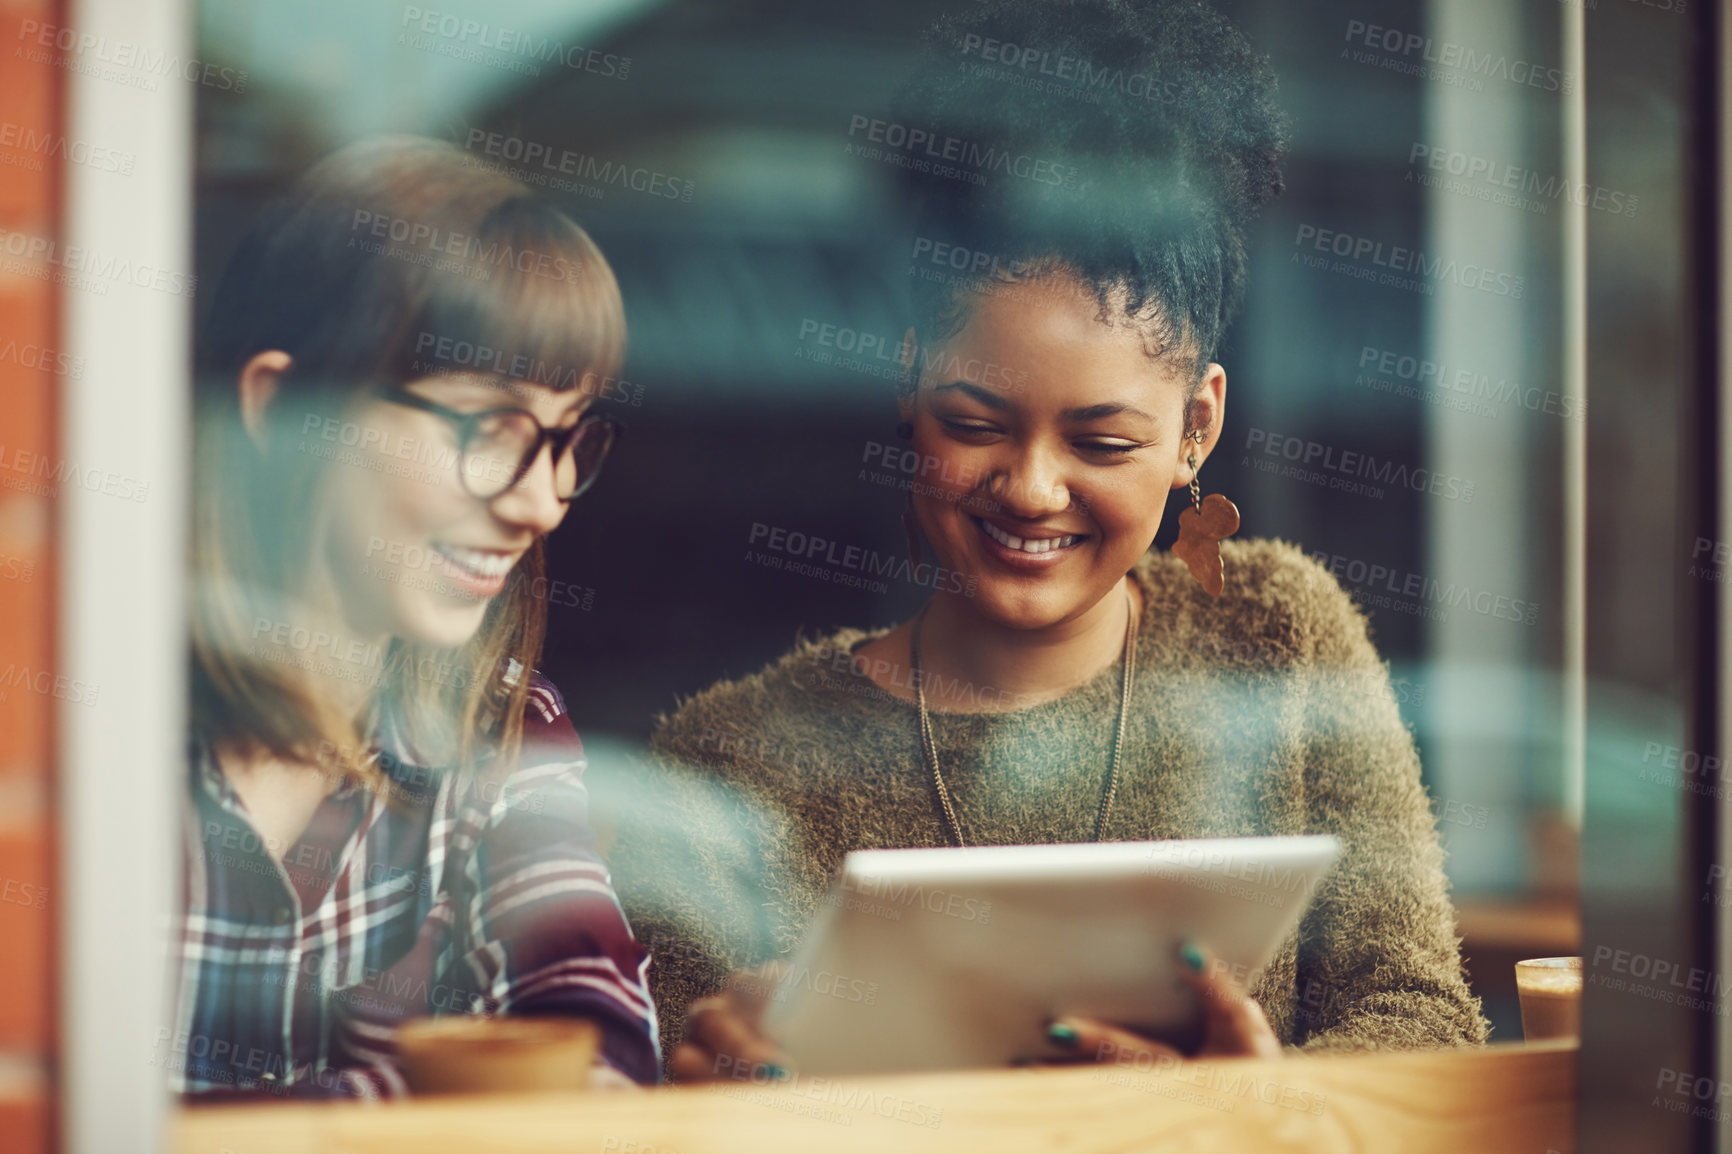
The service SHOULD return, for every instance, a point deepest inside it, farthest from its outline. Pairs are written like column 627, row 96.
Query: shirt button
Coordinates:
column 283, row 914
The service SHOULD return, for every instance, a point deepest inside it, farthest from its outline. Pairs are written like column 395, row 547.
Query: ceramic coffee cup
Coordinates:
column 468, row 1054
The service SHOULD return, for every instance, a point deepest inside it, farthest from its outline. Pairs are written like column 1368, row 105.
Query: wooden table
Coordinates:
column 1501, row 1098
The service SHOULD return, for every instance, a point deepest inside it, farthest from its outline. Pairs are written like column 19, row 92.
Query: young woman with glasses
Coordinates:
column 385, row 816
column 1070, row 685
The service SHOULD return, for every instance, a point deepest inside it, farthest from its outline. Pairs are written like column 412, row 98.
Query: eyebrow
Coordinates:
column 466, row 386
column 1105, row 409
column 472, row 390
column 1084, row 413
column 985, row 396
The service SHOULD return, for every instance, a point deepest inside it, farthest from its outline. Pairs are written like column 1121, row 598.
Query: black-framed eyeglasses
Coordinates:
column 497, row 447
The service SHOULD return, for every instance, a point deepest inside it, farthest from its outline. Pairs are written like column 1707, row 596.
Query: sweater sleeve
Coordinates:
column 690, row 864
column 1379, row 964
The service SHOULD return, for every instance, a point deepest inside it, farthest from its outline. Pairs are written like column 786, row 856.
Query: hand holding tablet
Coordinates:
column 953, row 958
column 1234, row 1025
column 724, row 1040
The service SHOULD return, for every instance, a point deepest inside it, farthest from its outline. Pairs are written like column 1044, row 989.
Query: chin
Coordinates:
column 440, row 622
column 1038, row 601
column 1019, row 605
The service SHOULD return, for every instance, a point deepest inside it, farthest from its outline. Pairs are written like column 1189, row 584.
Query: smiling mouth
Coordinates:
column 1030, row 545
column 481, row 564
column 474, row 574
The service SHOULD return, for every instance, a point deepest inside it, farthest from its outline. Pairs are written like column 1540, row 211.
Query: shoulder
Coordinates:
column 784, row 713
column 548, row 734
column 1278, row 608
column 544, row 704
column 540, row 789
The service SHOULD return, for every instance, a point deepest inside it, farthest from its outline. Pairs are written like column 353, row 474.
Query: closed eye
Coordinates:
column 1111, row 448
column 969, row 428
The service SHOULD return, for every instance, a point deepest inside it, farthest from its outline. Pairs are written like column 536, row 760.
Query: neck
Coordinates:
column 355, row 661
column 966, row 659
column 339, row 665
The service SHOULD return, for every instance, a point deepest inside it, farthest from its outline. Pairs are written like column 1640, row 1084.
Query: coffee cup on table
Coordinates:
column 1551, row 996
column 468, row 1054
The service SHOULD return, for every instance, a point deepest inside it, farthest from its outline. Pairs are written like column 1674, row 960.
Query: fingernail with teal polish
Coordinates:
column 773, row 1072
column 1193, row 956
column 1062, row 1035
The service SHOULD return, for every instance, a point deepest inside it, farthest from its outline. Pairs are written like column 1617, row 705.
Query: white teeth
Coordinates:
column 482, row 565
column 1009, row 541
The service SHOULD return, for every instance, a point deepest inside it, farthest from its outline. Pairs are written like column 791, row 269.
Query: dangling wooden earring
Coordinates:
column 1202, row 528
column 911, row 526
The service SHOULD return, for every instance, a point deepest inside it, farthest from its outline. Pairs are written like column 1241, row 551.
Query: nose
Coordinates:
column 532, row 503
column 1031, row 484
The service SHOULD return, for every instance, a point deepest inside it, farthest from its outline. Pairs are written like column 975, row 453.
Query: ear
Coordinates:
column 258, row 387
column 905, row 398
column 1206, row 414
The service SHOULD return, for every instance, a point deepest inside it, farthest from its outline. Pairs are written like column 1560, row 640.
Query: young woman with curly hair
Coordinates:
column 1072, row 685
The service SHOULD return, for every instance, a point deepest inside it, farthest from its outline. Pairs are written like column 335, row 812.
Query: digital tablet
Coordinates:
column 932, row 959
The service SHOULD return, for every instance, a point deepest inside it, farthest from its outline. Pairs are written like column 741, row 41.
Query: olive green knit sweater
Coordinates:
column 1266, row 711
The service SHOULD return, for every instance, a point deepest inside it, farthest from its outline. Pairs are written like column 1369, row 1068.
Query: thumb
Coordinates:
column 750, row 991
column 1233, row 1022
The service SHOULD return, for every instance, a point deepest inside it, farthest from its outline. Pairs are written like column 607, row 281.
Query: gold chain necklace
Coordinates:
column 929, row 748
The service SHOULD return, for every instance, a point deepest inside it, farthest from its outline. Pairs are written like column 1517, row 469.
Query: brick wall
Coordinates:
column 31, row 102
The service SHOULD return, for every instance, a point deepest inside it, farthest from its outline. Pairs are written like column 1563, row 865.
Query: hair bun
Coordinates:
column 1112, row 81
column 1132, row 141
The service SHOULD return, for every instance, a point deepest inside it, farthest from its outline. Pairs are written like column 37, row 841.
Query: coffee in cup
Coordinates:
column 1551, row 996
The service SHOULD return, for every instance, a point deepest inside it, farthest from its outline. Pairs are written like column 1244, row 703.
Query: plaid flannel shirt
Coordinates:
column 464, row 895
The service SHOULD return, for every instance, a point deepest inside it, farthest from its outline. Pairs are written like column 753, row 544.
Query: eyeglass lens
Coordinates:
column 501, row 450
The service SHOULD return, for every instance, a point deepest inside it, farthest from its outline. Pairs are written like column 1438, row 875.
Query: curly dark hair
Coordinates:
column 1127, row 142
